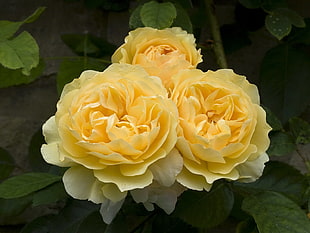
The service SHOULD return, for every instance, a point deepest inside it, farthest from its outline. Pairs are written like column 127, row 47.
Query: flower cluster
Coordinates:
column 153, row 125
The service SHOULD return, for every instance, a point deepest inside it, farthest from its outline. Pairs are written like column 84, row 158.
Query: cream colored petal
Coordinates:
column 111, row 192
column 209, row 175
column 241, row 82
column 184, row 148
column 252, row 170
column 193, row 181
column 113, row 175
column 207, row 154
column 109, row 210
column 81, row 183
column 140, row 168
column 52, row 154
column 165, row 170
column 50, row 131
column 260, row 136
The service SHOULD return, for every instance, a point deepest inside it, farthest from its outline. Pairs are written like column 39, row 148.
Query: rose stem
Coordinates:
column 215, row 31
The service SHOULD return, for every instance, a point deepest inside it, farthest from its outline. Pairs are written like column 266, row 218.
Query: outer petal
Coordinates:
column 164, row 197
column 252, row 170
column 166, row 169
column 113, row 175
column 109, row 210
column 80, row 183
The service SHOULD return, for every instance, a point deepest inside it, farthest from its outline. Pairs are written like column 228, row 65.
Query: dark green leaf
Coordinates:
column 70, row 218
column 292, row 16
column 20, row 52
column 270, row 5
column 301, row 35
column 135, row 18
column 182, row 19
column 50, row 194
column 205, row 209
column 168, row 224
column 13, row 207
column 285, row 81
column 247, row 226
column 275, row 213
column 88, row 45
column 72, row 68
column 251, row 3
column 22, row 185
column 300, row 130
column 158, row 15
column 118, row 224
column 36, row 160
column 92, row 224
column 7, row 164
column 16, row 77
column 281, row 144
column 273, row 120
column 278, row 25
column 38, row 225
column 278, row 177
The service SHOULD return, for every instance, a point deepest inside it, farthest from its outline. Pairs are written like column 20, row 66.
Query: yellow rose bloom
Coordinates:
column 116, row 130
column 223, row 131
column 161, row 53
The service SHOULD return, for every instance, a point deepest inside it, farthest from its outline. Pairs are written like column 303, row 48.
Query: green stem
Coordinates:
column 215, row 31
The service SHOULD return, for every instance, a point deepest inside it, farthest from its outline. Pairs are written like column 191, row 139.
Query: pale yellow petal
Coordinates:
column 81, row 183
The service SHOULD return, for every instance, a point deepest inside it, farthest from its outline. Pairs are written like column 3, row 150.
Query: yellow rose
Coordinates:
column 116, row 130
column 161, row 53
column 223, row 131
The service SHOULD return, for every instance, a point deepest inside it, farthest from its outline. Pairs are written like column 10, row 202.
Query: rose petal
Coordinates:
column 109, row 210
column 80, row 183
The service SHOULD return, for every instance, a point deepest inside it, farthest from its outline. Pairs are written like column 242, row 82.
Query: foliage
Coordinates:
column 278, row 202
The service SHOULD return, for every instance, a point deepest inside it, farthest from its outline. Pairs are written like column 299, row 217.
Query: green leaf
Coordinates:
column 275, row 213
column 135, row 18
column 278, row 25
column 35, row 15
column 13, row 207
column 50, row 195
column 158, row 15
column 182, row 20
column 251, row 4
column 16, row 77
column 281, row 144
column 278, row 177
column 72, row 68
column 285, row 81
column 8, row 28
column 22, row 185
column 292, row 16
column 300, row 130
column 205, row 209
column 273, row 120
column 7, row 164
column 20, row 52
